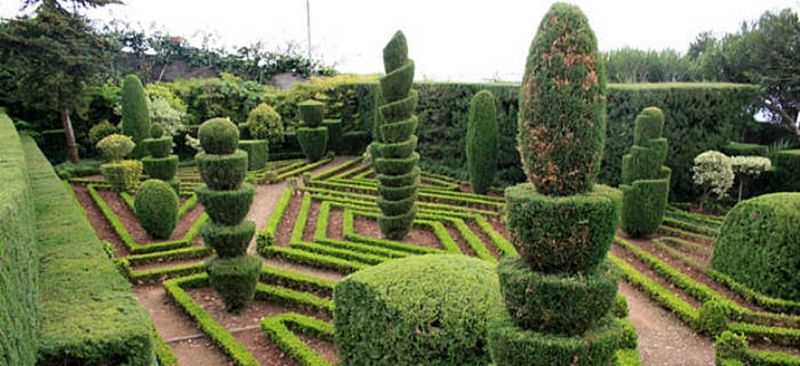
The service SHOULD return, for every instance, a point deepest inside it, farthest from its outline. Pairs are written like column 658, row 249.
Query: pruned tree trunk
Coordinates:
column 72, row 147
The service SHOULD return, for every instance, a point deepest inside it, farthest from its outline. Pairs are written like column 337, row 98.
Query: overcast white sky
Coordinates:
column 465, row 40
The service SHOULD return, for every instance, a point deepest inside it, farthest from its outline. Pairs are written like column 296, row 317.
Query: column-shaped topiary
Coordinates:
column 558, row 293
column 161, row 163
column 135, row 115
column 312, row 137
column 393, row 156
column 645, row 180
column 227, row 199
column 482, row 133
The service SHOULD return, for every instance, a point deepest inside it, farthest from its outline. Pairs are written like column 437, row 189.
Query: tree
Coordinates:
column 51, row 57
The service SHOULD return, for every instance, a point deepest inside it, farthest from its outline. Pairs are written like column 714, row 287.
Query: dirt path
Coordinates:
column 663, row 339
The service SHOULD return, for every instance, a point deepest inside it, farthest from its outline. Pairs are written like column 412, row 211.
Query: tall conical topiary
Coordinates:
column 160, row 162
column 226, row 199
column 645, row 180
column 482, row 133
column 135, row 115
column 560, row 289
column 393, row 155
column 312, row 137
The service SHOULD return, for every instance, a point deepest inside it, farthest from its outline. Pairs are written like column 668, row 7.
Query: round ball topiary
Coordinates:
column 562, row 106
column 218, row 136
column 228, row 241
column 562, row 234
column 759, row 245
column 433, row 308
column 226, row 207
column 222, row 172
column 556, row 303
column 156, row 131
column 156, row 206
column 235, row 280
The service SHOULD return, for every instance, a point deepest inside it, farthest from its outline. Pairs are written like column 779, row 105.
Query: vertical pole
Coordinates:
column 308, row 26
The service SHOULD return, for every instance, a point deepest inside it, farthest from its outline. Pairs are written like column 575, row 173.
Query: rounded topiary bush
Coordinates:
column 759, row 245
column 481, row 141
column 235, row 280
column 556, row 303
column 156, row 206
column 135, row 115
column 430, row 309
column 227, row 207
column 218, row 136
column 265, row 123
column 562, row 234
column 156, row 131
column 222, row 172
column 115, row 146
column 562, row 112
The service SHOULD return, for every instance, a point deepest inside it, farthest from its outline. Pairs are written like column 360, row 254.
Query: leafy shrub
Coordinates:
column 168, row 119
column 226, row 207
column 135, row 115
column 115, row 147
column 759, row 244
column 160, row 168
column 313, row 141
column 482, row 141
column 122, row 175
column 257, row 153
column 712, row 317
column 222, row 172
column 742, row 149
column 101, row 130
column 165, row 92
column 228, row 241
column 265, row 123
column 713, row 171
column 787, row 166
column 156, row 206
column 748, row 168
column 433, row 308
column 312, row 112
column 218, row 136
column 235, row 280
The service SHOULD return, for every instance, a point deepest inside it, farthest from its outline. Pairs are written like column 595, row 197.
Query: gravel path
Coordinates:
column 663, row 339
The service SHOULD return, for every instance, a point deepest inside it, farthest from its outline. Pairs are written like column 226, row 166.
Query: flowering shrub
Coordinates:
column 166, row 117
column 714, row 173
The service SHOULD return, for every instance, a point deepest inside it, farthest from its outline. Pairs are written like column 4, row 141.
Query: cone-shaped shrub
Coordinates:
column 232, row 273
column 393, row 153
column 135, row 115
column 645, row 181
column 312, row 137
column 559, row 292
column 156, row 206
column 482, row 133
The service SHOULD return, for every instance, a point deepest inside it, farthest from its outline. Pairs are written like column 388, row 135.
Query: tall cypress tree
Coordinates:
column 135, row 115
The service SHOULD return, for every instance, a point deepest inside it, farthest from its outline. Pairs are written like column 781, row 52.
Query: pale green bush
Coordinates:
column 748, row 168
column 116, row 146
column 714, row 173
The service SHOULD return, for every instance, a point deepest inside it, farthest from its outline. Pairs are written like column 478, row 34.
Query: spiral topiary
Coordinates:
column 156, row 206
column 232, row 273
column 312, row 137
column 393, row 154
column 482, row 133
column 135, row 115
column 559, row 292
column 645, row 181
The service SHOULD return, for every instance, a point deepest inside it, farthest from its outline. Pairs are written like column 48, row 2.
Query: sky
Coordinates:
column 466, row 40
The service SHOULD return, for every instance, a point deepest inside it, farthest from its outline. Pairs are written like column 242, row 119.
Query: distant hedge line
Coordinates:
column 698, row 117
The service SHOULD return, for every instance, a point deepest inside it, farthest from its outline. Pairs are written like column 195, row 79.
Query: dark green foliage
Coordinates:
column 226, row 207
column 620, row 307
column 157, row 208
column 759, row 245
column 787, row 170
column 218, row 136
column 312, row 112
column 222, row 172
column 482, row 141
column 100, row 130
column 511, row 345
column 432, row 309
column 159, row 147
column 564, row 304
column 228, row 241
column 161, row 168
column 739, row 148
column 645, row 179
column 313, row 141
column 562, row 119
column 257, row 153
column 123, row 175
column 235, row 280
column 334, row 127
column 156, row 131
column 712, row 317
column 393, row 155
column 562, row 234
column 135, row 115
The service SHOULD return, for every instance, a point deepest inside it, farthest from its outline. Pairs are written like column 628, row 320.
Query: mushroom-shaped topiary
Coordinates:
column 122, row 175
column 156, row 206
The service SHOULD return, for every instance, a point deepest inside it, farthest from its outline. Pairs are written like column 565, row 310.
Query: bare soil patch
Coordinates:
column 417, row 236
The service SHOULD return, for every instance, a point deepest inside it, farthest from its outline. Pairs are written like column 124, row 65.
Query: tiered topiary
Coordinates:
column 560, row 289
column 393, row 156
column 482, row 133
column 135, row 116
column 161, row 163
column 645, row 180
column 122, row 175
column 232, row 273
column 156, row 206
column 312, row 137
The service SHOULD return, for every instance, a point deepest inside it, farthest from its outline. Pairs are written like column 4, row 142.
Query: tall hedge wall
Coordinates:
column 19, row 262
column 698, row 117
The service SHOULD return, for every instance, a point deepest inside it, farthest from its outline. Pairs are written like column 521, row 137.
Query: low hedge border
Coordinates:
column 712, row 221
column 690, row 227
column 163, row 351
column 734, row 350
column 280, row 329
column 278, row 175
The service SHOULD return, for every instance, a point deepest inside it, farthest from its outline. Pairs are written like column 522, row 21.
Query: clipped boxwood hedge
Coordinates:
column 787, row 170
column 228, row 241
column 156, row 206
column 160, row 168
column 313, row 141
column 222, row 172
column 234, row 279
column 759, row 244
column 158, row 147
column 739, row 148
column 226, row 207
column 433, row 308
column 257, row 153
